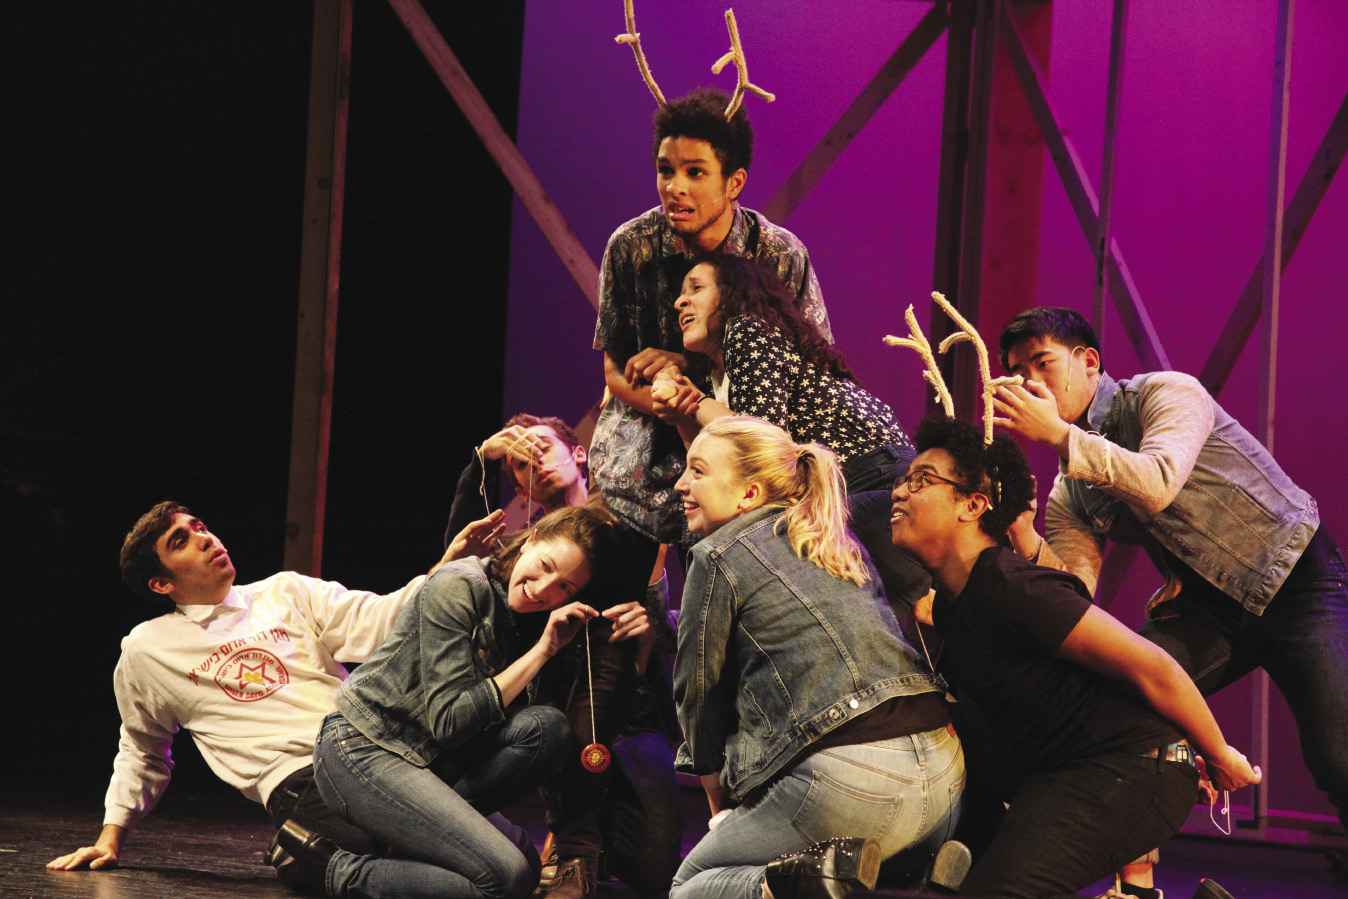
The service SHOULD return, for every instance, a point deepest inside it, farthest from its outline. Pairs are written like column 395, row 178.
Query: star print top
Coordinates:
column 770, row 379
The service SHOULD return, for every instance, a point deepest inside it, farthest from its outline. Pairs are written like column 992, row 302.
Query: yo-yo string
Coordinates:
column 1226, row 813
column 589, row 674
column 529, row 491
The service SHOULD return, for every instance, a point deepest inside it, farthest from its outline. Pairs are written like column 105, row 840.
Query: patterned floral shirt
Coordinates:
column 643, row 270
column 769, row 378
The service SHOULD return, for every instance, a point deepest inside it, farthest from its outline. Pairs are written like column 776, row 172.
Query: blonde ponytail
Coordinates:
column 807, row 481
column 816, row 523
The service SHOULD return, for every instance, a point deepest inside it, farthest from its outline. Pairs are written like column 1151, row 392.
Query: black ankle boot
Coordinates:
column 301, row 858
column 827, row 870
column 1210, row 889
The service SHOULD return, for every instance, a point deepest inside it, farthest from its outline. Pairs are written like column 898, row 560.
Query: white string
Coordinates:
column 1226, row 813
column 589, row 673
column 529, row 500
column 923, row 641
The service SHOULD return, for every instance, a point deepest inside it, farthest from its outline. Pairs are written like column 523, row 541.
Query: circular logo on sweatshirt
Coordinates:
column 251, row 674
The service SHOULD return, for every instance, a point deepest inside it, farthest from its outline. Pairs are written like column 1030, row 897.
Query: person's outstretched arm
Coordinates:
column 1101, row 643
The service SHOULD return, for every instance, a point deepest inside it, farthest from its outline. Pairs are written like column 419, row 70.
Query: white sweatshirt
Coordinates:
column 251, row 678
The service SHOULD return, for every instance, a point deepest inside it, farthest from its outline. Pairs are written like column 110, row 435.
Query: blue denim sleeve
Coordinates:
column 461, row 700
column 705, row 701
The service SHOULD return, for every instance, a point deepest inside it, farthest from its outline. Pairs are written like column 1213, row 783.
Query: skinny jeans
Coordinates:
column 441, row 820
column 1301, row 640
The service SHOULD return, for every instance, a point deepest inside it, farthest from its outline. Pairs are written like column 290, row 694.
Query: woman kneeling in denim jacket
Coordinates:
column 428, row 740
column 813, row 724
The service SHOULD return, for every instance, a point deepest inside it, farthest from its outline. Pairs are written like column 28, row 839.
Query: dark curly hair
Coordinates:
column 700, row 115
column 747, row 287
column 999, row 470
column 1058, row 323
column 140, row 554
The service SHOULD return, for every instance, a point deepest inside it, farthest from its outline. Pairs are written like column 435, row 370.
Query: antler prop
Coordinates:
column 632, row 39
column 990, row 384
column 736, row 55
column 917, row 341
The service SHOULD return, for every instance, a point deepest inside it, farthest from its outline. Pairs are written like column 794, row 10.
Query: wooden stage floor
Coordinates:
column 211, row 847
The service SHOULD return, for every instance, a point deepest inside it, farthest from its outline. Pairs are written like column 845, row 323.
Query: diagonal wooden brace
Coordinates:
column 1136, row 320
column 522, row 178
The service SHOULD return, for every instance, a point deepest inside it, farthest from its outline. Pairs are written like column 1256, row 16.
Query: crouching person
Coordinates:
column 1103, row 723
column 436, row 732
column 818, row 732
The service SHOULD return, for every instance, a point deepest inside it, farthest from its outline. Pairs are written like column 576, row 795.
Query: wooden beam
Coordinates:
column 798, row 186
column 1273, row 218
column 320, row 253
column 502, row 149
column 1104, row 236
column 1136, row 320
column 954, row 156
column 1015, row 184
column 964, row 378
column 1297, row 218
column 1270, row 292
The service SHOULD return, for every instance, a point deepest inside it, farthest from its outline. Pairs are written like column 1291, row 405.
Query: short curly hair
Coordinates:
column 140, row 553
column 700, row 115
column 998, row 470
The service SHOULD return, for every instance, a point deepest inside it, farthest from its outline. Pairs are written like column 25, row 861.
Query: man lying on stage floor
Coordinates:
column 250, row 670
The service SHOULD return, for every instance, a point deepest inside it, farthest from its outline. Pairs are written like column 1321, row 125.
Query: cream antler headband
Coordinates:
column 736, row 55
column 918, row 342
column 632, row 39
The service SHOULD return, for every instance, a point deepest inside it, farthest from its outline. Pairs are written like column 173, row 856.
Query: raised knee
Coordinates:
column 517, row 881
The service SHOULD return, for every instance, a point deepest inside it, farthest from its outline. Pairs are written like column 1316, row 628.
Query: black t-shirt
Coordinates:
column 1000, row 637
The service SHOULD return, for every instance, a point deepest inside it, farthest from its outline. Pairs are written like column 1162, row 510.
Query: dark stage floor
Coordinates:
column 208, row 848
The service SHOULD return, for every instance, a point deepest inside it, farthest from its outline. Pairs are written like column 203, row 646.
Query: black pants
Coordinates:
column 1070, row 827
column 296, row 799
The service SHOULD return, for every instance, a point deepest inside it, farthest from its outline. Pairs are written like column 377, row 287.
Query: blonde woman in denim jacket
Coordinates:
column 820, row 736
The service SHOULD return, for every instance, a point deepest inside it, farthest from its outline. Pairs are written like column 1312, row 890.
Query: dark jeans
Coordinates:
column 629, row 812
column 296, row 799
column 1301, row 640
column 1070, row 827
column 870, row 483
column 441, row 820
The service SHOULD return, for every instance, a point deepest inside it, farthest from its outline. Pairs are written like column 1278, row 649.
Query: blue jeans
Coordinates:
column 1301, row 640
column 900, row 792
column 441, row 819
column 870, row 483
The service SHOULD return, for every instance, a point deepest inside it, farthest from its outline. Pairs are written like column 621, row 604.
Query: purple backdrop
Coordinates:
column 1189, row 202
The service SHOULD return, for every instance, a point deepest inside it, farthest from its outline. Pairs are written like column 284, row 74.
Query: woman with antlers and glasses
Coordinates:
column 747, row 342
column 1102, row 724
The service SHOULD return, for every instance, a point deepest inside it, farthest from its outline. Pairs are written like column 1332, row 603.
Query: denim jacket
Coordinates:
column 429, row 686
column 1235, row 518
column 775, row 652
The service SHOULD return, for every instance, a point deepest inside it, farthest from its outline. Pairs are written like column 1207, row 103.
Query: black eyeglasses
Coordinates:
column 917, row 480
